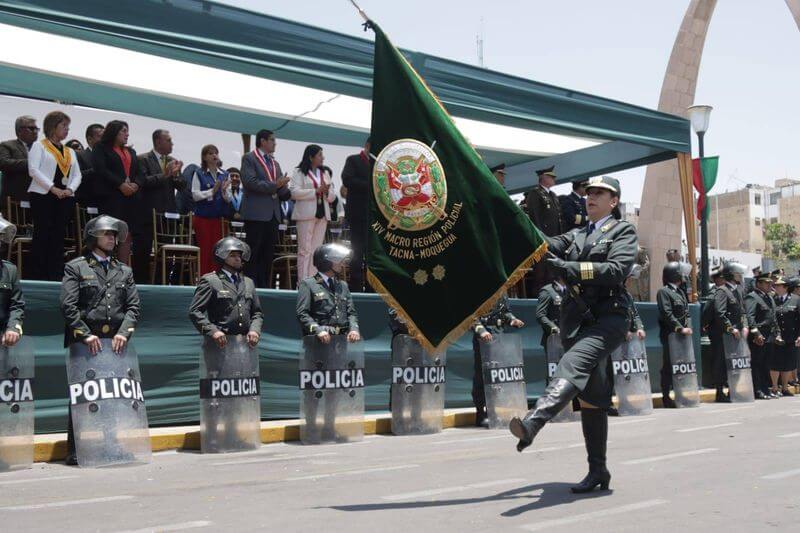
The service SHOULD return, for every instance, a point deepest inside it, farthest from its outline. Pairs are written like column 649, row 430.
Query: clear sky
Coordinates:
column 617, row 49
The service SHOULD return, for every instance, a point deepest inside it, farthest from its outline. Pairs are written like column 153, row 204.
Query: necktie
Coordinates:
column 331, row 285
column 104, row 264
column 235, row 279
column 590, row 229
column 163, row 163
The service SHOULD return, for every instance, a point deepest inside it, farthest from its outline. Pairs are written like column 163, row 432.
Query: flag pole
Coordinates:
column 360, row 11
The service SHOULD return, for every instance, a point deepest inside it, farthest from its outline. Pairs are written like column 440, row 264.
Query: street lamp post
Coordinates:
column 699, row 116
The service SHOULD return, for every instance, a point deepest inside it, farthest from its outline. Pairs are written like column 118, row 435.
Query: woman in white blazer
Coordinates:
column 312, row 191
column 55, row 176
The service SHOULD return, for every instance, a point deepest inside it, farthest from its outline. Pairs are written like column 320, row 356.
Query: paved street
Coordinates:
column 718, row 467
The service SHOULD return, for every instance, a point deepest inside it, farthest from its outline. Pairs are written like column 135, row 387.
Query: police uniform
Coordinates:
column 97, row 298
column 728, row 314
column 495, row 321
column 595, row 263
column 573, row 211
column 325, row 306
column 12, row 304
column 760, row 310
column 673, row 316
column 224, row 304
column 548, row 309
column 787, row 330
column 634, row 318
column 544, row 209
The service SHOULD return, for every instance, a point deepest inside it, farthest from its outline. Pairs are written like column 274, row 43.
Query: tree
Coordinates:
column 781, row 238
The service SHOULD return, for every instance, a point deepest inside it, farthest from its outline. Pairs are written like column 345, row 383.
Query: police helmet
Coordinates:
column 733, row 271
column 327, row 254
column 7, row 231
column 98, row 225
column 794, row 282
column 672, row 272
column 226, row 245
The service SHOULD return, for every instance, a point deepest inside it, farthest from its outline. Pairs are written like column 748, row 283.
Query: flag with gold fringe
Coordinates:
column 445, row 239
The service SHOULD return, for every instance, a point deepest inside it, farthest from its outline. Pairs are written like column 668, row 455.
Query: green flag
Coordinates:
column 445, row 240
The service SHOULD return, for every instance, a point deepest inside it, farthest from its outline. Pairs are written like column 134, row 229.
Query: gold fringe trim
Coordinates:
column 465, row 324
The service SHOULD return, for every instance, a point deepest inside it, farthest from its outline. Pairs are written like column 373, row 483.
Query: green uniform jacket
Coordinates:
column 96, row 302
column 548, row 309
column 544, row 209
column 596, row 269
column 496, row 320
column 319, row 309
column 760, row 309
column 12, row 305
column 673, row 311
column 729, row 310
column 787, row 319
column 218, row 305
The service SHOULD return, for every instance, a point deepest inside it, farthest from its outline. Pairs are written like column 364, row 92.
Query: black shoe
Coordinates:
column 786, row 392
column 722, row 397
column 556, row 396
column 612, row 411
column 481, row 420
column 594, row 423
column 484, row 423
column 71, row 460
column 668, row 403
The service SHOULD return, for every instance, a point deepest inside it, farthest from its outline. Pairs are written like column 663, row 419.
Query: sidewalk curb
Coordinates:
column 53, row 447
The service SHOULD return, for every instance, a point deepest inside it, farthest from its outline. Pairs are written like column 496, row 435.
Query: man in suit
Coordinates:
column 85, row 195
column 265, row 187
column 544, row 210
column 573, row 206
column 356, row 176
column 14, row 160
column 161, row 178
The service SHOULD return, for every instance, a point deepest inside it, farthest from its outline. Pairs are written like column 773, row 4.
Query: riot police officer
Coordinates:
column 495, row 321
column 783, row 362
column 729, row 318
column 12, row 304
column 324, row 303
column 99, row 298
column 760, row 309
column 673, row 317
column 595, row 262
column 225, row 302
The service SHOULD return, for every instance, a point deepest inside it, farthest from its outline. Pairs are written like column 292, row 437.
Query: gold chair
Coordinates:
column 283, row 272
column 233, row 228
column 172, row 237
column 19, row 214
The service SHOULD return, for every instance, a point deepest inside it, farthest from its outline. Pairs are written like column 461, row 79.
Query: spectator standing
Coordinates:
column 55, row 176
column 265, row 186
column 313, row 194
column 14, row 160
column 118, row 181
column 161, row 181
column 235, row 177
column 86, row 195
column 211, row 195
column 356, row 175
column 573, row 206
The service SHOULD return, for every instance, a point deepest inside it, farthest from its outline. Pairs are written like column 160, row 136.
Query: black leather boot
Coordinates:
column 556, row 396
column 594, row 423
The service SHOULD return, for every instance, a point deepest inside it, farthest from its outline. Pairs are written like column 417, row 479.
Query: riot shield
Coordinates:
column 16, row 405
column 737, row 362
column 554, row 351
column 418, row 382
column 503, row 379
column 230, row 396
column 331, row 390
column 109, row 418
column 632, row 378
column 684, row 370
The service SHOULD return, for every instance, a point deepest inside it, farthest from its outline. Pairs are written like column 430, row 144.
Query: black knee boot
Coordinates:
column 556, row 396
column 595, row 434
